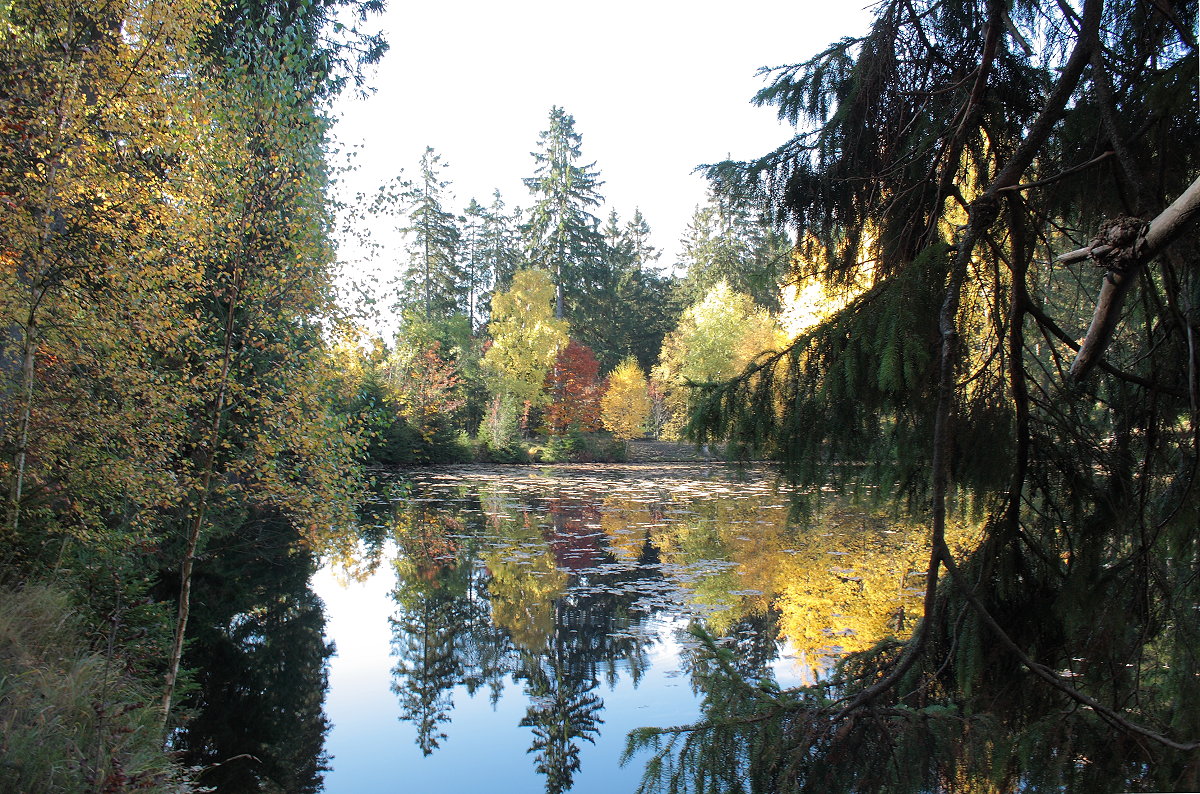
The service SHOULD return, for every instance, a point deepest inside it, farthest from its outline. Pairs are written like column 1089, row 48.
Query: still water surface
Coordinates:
column 507, row 626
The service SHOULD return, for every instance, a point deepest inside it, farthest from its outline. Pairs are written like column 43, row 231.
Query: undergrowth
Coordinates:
column 72, row 719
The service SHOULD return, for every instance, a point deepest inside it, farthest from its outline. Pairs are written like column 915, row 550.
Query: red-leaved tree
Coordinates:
column 574, row 387
column 428, row 387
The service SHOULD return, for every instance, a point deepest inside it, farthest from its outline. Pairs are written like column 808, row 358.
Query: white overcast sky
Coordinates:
column 656, row 87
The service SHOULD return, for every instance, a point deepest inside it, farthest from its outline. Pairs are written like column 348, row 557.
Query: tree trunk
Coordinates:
column 196, row 523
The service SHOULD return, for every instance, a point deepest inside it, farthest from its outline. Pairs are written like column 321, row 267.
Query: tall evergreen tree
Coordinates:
column 639, row 305
column 502, row 240
column 562, row 235
column 605, row 325
column 433, row 282
column 729, row 240
column 474, row 263
column 637, row 234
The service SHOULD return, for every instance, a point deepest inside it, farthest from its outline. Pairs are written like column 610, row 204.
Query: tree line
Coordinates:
column 543, row 322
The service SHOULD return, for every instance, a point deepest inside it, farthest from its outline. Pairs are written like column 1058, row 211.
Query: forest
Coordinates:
column 969, row 279
column 544, row 333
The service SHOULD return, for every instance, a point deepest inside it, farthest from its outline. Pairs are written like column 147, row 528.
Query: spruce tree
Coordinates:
column 474, row 263
column 500, row 247
column 729, row 240
column 974, row 172
column 637, row 237
column 433, row 283
column 646, row 295
column 562, row 235
column 634, row 309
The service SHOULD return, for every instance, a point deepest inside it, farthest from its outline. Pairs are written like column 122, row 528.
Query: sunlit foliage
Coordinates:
column 427, row 388
column 526, row 337
column 626, row 403
column 728, row 241
column 573, row 388
column 166, row 279
column 716, row 338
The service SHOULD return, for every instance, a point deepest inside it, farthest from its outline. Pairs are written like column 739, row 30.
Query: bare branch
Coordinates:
column 1125, row 248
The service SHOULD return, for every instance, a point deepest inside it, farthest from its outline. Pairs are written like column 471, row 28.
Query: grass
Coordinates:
column 71, row 718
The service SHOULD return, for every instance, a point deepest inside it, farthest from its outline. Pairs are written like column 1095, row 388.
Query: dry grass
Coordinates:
column 71, row 719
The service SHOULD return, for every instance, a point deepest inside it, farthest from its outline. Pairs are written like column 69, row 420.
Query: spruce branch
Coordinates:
column 1048, row 675
column 984, row 211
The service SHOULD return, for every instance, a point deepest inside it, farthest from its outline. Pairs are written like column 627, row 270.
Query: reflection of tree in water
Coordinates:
column 562, row 710
column 601, row 604
column 591, row 636
column 428, row 668
column 550, row 580
column 753, row 640
column 439, row 614
column 489, row 588
column 256, row 639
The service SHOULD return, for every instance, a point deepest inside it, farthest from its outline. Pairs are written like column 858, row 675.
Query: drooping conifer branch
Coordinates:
column 983, row 213
column 1045, row 673
column 1086, row 501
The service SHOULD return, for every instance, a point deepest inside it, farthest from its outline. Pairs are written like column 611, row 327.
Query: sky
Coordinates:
column 656, row 89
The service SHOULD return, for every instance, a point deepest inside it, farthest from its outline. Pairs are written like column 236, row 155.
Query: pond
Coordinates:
column 507, row 626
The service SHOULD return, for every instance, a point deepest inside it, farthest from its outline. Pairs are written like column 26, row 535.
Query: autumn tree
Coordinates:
column 573, row 389
column 165, row 262
column 625, row 407
column 426, row 386
column 714, row 340
column 104, row 217
column 526, row 338
column 97, row 248
column 262, row 433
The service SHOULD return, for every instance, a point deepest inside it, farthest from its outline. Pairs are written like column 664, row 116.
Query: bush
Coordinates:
column 579, row 447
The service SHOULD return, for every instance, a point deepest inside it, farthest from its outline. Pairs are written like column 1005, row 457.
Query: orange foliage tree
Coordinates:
column 574, row 387
column 428, row 388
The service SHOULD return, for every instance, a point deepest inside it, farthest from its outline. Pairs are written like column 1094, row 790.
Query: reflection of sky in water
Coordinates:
column 372, row 750
column 727, row 552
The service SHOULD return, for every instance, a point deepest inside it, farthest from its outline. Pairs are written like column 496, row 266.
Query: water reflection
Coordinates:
column 256, row 640
column 557, row 581
column 494, row 589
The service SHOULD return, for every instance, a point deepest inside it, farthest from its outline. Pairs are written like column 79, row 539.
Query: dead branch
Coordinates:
column 1123, row 248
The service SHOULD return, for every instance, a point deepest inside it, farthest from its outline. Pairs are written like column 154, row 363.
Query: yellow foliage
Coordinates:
column 715, row 340
column 165, row 272
column 625, row 406
column 526, row 336
column 841, row 580
column 525, row 579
